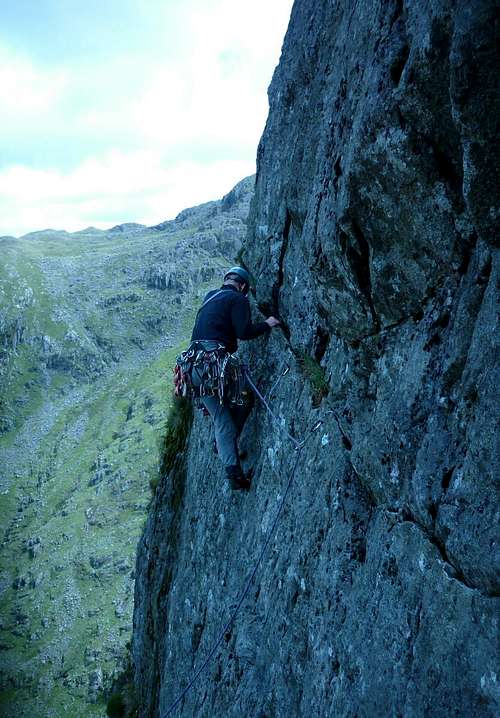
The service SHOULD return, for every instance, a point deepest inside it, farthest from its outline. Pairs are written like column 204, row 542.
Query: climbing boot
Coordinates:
column 237, row 479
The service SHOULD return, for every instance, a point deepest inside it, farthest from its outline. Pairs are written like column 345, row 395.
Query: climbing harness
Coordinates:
column 218, row 373
column 299, row 445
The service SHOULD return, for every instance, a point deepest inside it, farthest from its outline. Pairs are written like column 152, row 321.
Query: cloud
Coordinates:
column 25, row 90
column 162, row 112
column 221, row 92
column 117, row 188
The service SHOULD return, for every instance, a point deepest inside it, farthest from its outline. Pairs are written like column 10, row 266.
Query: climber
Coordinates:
column 215, row 374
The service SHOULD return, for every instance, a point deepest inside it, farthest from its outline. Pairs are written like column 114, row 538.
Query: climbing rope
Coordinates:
column 298, row 444
column 298, row 447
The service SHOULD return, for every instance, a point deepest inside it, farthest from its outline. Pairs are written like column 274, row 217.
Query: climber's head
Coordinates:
column 238, row 277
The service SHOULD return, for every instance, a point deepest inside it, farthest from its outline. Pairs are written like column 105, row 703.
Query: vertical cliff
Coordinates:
column 372, row 234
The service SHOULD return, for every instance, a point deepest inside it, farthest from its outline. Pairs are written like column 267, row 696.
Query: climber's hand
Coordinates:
column 272, row 322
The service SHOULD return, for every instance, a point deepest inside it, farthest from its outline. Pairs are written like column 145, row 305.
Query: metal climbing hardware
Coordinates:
column 207, row 369
column 283, row 373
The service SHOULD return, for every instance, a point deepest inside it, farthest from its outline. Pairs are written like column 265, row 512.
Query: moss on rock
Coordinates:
column 315, row 375
column 179, row 420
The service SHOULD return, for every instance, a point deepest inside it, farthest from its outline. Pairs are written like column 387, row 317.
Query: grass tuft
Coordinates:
column 116, row 705
column 179, row 420
column 315, row 374
column 122, row 703
column 153, row 484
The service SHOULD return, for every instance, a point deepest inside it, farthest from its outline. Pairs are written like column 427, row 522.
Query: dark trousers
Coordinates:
column 229, row 420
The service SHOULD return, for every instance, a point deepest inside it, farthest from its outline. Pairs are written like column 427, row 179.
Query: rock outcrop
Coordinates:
column 372, row 235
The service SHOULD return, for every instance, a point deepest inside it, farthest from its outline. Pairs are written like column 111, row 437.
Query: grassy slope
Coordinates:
column 87, row 406
column 88, row 533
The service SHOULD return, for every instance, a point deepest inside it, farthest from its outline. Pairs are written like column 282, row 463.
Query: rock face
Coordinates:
column 371, row 234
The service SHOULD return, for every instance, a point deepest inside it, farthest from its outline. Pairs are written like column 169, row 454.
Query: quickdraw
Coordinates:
column 218, row 373
column 180, row 383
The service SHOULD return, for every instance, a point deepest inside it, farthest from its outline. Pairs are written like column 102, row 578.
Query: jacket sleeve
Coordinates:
column 242, row 320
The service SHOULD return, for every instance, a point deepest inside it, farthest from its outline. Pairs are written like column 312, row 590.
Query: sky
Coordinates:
column 129, row 110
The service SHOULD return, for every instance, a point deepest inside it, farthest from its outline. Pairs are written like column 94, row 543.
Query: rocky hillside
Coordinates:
column 90, row 324
column 372, row 235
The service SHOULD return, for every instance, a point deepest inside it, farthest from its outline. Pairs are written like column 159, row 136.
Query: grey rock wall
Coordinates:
column 372, row 234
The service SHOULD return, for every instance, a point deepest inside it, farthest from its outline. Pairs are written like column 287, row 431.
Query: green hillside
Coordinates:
column 90, row 324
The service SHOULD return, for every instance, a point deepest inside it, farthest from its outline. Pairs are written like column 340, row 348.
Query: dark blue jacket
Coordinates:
column 226, row 318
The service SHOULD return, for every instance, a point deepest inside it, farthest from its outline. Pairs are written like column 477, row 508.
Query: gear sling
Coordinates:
column 219, row 373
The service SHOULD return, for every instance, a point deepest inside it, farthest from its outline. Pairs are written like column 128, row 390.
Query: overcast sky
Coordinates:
column 129, row 110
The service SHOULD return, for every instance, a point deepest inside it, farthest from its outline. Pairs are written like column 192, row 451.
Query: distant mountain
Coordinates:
column 127, row 227
column 46, row 233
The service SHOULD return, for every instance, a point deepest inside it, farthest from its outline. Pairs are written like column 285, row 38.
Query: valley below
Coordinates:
column 90, row 325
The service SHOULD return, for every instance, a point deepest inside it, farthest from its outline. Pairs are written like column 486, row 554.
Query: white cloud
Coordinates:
column 24, row 89
column 151, row 129
column 118, row 188
column 220, row 95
